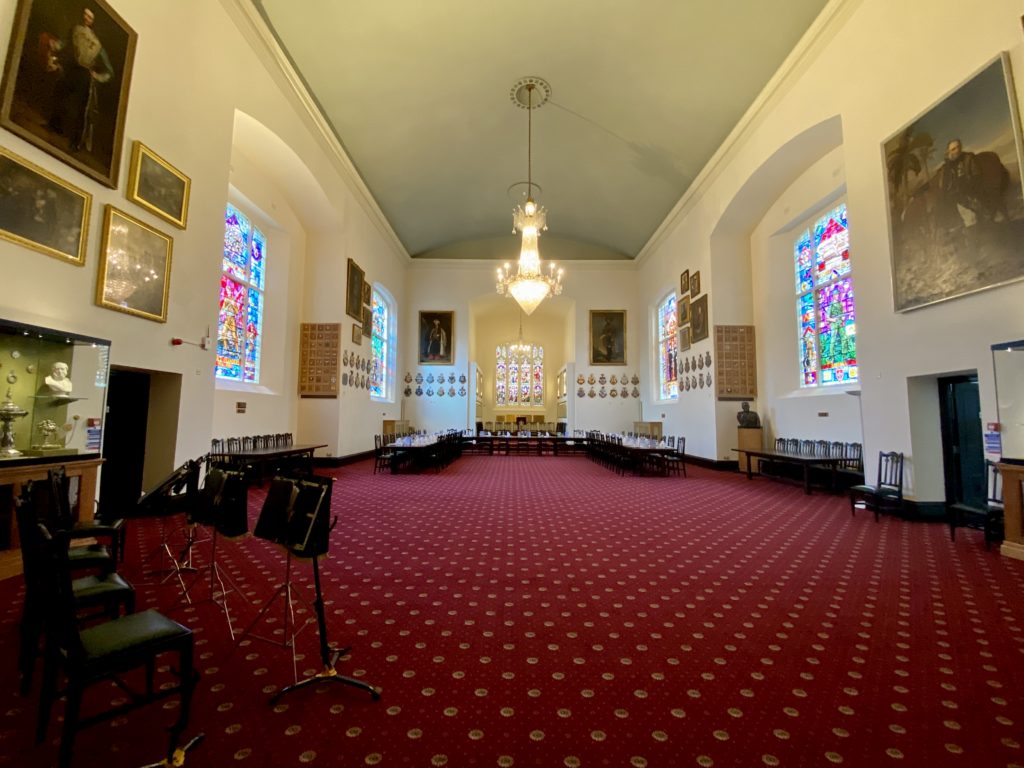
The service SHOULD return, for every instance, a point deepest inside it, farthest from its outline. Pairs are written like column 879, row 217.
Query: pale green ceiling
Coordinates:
column 643, row 93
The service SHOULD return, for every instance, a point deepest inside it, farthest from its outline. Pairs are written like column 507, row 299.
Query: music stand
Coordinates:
column 296, row 516
column 222, row 506
column 172, row 496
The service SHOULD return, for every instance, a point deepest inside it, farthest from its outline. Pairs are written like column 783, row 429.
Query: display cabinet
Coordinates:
column 1008, row 363
column 53, row 388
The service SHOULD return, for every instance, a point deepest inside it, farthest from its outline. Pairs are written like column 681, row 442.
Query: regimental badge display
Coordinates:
column 319, row 350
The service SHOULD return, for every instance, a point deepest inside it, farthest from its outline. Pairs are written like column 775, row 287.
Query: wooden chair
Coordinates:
column 675, row 460
column 886, row 495
column 988, row 519
column 95, row 595
column 102, row 652
column 382, row 455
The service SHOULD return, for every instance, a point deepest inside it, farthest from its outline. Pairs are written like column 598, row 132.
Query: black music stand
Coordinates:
column 296, row 515
column 172, row 496
column 222, row 506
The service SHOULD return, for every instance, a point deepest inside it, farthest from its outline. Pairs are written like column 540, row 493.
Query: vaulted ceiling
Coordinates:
column 642, row 94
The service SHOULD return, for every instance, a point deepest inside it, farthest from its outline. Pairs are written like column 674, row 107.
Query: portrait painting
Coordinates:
column 694, row 285
column 684, row 283
column 955, row 205
column 436, row 342
column 367, row 294
column 684, row 311
column 65, row 86
column 357, row 333
column 354, row 291
column 367, row 321
column 699, row 329
column 158, row 186
column 42, row 212
column 684, row 339
column 135, row 267
column 607, row 337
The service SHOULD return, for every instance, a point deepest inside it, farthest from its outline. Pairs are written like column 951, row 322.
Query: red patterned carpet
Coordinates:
column 546, row 612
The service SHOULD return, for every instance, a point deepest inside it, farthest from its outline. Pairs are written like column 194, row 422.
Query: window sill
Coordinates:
column 239, row 386
column 835, row 389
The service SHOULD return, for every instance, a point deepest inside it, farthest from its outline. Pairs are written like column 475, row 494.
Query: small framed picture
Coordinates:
column 135, row 267
column 42, row 212
column 684, row 283
column 699, row 320
column 354, row 291
column 367, row 294
column 158, row 186
column 357, row 334
column 684, row 339
column 695, row 285
column 367, row 321
column 684, row 311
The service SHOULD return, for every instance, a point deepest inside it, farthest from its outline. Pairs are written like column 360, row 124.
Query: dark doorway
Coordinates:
column 963, row 450
column 124, row 440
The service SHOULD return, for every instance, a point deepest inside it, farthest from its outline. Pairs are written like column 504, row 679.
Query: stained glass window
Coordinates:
column 240, row 320
column 519, row 375
column 825, row 308
column 668, row 349
column 380, row 340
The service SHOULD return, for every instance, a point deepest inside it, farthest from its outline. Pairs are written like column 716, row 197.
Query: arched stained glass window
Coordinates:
column 240, row 320
column 519, row 375
column 668, row 349
column 382, row 344
column 827, row 324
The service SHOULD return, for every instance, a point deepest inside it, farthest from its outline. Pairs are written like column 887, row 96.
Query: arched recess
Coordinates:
column 730, row 244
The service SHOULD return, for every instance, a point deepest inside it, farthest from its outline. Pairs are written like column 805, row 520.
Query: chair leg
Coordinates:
column 72, row 708
column 30, row 630
column 189, row 679
column 46, row 697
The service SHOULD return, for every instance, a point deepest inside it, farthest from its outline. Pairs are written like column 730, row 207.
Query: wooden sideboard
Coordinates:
column 1013, row 508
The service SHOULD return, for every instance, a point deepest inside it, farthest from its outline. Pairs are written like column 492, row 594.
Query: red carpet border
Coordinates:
column 545, row 612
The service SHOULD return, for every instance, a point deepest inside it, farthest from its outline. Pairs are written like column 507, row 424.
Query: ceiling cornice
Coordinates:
column 255, row 29
column 822, row 30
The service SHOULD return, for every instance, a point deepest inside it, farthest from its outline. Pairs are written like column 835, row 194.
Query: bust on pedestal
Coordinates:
column 58, row 382
column 749, row 433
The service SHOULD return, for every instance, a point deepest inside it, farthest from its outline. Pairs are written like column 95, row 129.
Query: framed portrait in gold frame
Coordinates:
column 42, row 212
column 607, row 337
column 135, row 267
column 357, row 334
column 158, row 186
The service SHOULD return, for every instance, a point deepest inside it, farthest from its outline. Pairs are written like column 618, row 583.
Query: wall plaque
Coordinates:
column 735, row 362
column 319, row 350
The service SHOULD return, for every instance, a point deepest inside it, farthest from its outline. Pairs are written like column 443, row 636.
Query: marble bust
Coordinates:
column 58, row 382
column 748, row 418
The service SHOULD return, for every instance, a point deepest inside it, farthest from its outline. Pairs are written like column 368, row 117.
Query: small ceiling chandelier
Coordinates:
column 528, row 284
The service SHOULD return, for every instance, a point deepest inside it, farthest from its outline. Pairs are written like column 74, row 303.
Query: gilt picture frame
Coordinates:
column 157, row 186
column 684, row 282
column 954, row 193
column 699, row 327
column 51, row 101
column 135, row 267
column 436, row 337
column 41, row 211
column 684, row 311
column 354, row 291
column 607, row 337
column 694, row 285
column 357, row 334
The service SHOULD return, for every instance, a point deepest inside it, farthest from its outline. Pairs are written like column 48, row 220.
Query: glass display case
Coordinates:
column 53, row 389
column 1008, row 362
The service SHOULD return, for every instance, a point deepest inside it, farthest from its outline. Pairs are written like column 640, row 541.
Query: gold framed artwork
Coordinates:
column 158, row 186
column 354, row 291
column 357, row 334
column 699, row 319
column 42, row 212
column 694, row 285
column 684, row 311
column 954, row 225
column 607, row 337
column 367, row 294
column 684, row 339
column 437, row 338
column 65, row 86
column 367, row 321
column 684, row 283
column 135, row 267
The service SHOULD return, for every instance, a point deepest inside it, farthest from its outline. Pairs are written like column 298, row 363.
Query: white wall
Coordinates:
column 883, row 66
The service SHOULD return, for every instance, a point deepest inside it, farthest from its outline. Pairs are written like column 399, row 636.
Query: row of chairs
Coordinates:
column 510, row 426
column 850, row 453
column 250, row 443
column 612, row 451
column 987, row 516
column 390, row 456
column 67, row 590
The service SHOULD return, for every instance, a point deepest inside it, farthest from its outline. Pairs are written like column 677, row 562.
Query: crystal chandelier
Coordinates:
column 528, row 284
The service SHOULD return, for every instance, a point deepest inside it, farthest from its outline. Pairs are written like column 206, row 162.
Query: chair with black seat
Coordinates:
column 51, row 504
column 988, row 517
column 675, row 460
column 382, row 455
column 95, row 595
column 103, row 652
column 886, row 495
column 106, row 525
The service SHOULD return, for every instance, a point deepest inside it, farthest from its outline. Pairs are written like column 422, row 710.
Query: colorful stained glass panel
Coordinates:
column 837, row 334
column 804, row 256
column 230, row 329
column 668, row 349
column 236, row 239
column 256, row 252
column 832, row 246
column 808, row 341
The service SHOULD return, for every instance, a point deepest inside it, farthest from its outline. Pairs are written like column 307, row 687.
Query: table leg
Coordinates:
column 750, row 466
column 807, row 478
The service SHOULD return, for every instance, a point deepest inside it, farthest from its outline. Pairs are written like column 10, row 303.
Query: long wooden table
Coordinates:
column 263, row 457
column 796, row 459
column 534, row 444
